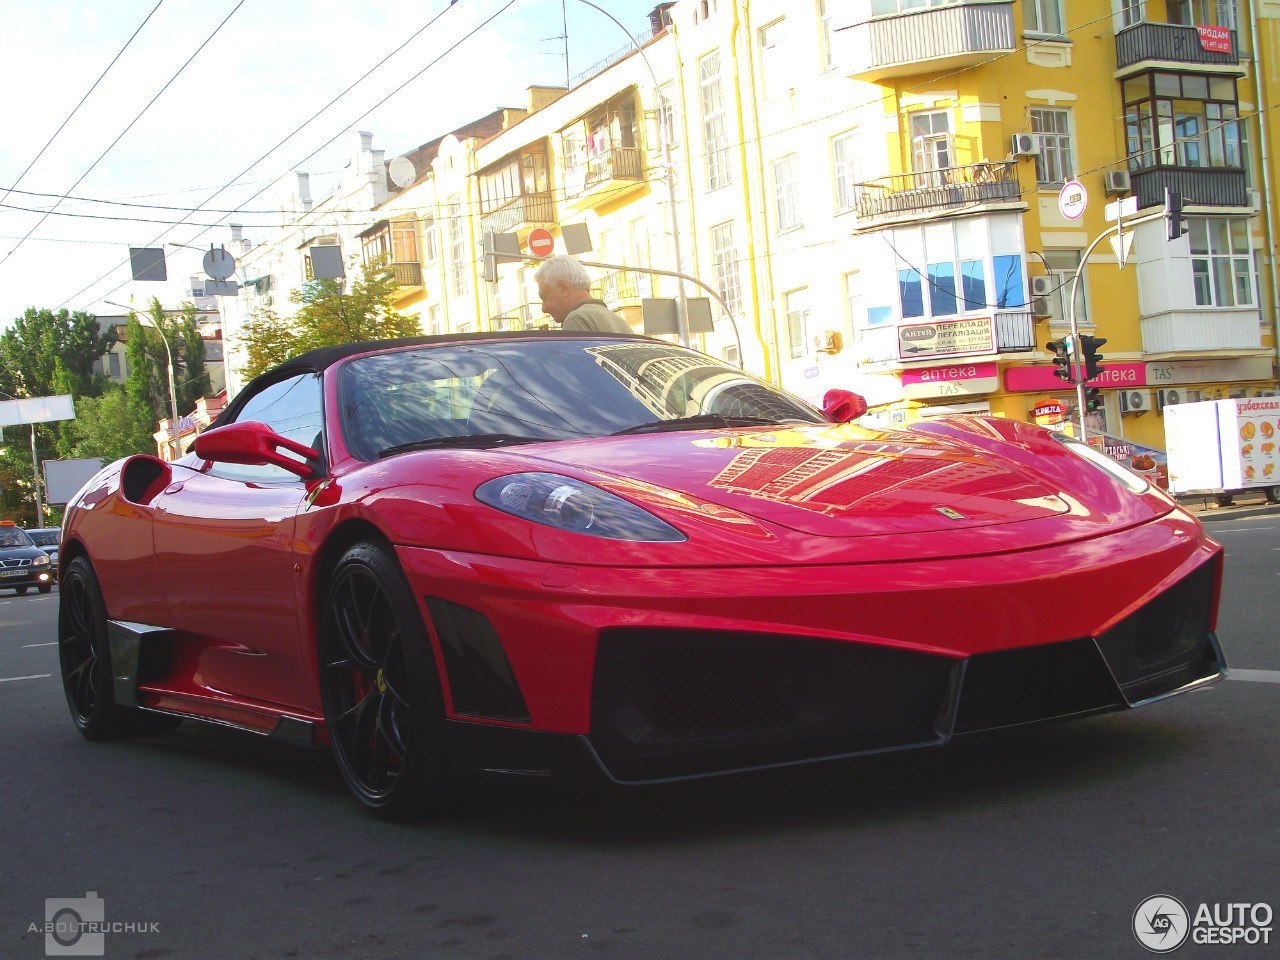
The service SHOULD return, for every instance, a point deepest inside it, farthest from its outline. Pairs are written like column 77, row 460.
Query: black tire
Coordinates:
column 1273, row 494
column 20, row 591
column 86, row 662
column 45, row 587
column 382, row 700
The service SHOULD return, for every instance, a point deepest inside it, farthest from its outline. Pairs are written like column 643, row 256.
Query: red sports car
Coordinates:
column 543, row 553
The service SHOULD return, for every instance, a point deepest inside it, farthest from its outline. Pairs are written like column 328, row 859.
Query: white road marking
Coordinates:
column 34, row 676
column 1245, row 529
column 52, row 643
column 1259, row 676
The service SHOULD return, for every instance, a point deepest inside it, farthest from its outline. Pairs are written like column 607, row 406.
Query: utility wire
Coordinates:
column 295, row 132
column 138, row 117
column 77, row 107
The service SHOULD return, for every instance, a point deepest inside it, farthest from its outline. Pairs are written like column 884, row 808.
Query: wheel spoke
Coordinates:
column 350, row 633
column 390, row 727
column 357, row 709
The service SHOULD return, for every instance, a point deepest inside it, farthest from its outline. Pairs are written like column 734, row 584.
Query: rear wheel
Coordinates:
column 382, row 700
column 20, row 591
column 45, row 587
column 86, row 661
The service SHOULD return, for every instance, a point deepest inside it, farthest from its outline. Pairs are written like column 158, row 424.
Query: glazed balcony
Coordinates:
column 1202, row 329
column 521, row 214
column 606, row 177
column 1198, row 186
column 939, row 39
column 1166, row 46
column 914, row 195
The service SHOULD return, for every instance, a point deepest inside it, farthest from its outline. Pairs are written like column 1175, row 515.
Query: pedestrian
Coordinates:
column 565, row 290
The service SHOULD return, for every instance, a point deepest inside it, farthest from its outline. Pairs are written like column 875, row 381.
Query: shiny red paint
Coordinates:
column 830, row 531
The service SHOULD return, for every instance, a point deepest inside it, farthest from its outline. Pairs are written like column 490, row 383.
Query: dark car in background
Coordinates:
column 48, row 539
column 22, row 563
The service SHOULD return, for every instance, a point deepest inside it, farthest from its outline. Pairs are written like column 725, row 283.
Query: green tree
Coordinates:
column 327, row 316
column 146, row 383
column 194, row 380
column 45, row 353
column 111, row 426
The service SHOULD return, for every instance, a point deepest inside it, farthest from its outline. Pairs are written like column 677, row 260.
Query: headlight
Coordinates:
column 41, row 561
column 1104, row 463
column 568, row 504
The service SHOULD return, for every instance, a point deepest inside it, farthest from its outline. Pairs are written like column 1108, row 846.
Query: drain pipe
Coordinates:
column 1259, row 82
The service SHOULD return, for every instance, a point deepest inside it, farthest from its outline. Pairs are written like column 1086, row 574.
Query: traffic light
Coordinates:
column 1177, row 225
column 1061, row 359
column 1093, row 399
column 1091, row 357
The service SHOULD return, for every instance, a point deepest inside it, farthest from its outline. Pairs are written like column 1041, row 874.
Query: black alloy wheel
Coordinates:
column 86, row 662
column 382, row 701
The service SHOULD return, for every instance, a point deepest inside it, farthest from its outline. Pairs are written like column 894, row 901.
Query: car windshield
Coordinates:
column 44, row 538
column 13, row 537
column 547, row 389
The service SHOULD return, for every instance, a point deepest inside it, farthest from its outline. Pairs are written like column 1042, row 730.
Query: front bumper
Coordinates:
column 658, row 674
column 27, row 576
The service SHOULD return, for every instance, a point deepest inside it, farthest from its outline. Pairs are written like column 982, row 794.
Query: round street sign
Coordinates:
column 541, row 243
column 1072, row 199
column 218, row 264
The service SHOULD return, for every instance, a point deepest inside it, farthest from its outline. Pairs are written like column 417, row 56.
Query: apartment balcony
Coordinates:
column 1198, row 186
column 620, row 288
column 1171, row 46
column 909, row 196
column 522, row 214
column 939, row 39
column 1202, row 330
column 408, row 275
column 606, row 177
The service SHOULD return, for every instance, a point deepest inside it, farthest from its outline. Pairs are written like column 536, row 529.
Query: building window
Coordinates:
column 1182, row 121
column 703, row 9
column 825, row 56
column 1204, row 13
column 715, row 129
column 1043, row 17
column 725, row 255
column 522, row 175
column 1131, row 12
column 931, row 149
column 458, row 259
column 113, row 366
column 775, row 72
column 429, row 250
column 845, row 169
column 1054, row 165
column 966, row 267
column 786, row 189
column 1062, row 266
column 667, row 114
column 404, row 242
column 1221, row 262
column 434, row 326
column 797, row 305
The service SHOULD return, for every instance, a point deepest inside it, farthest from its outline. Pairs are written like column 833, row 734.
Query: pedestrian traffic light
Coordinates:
column 1091, row 357
column 1061, row 359
column 1093, row 399
column 1177, row 225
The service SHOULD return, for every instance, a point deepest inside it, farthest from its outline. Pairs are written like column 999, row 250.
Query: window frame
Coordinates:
column 1056, row 146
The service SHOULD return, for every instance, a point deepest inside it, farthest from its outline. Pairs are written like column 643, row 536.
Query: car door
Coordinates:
column 224, row 539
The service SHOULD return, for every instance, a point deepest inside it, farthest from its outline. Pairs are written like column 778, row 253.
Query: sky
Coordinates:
column 212, row 138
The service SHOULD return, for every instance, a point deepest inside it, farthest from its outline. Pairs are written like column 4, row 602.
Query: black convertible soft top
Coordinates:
column 314, row 361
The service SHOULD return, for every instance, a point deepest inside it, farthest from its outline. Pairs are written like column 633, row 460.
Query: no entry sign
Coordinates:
column 541, row 243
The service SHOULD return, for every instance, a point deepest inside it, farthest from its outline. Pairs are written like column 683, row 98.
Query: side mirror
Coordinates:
column 844, row 405
column 257, row 445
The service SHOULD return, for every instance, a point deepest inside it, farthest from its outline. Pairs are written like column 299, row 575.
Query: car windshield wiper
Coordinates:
column 694, row 423
column 467, row 440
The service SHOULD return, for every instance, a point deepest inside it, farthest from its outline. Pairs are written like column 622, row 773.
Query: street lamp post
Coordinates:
column 146, row 321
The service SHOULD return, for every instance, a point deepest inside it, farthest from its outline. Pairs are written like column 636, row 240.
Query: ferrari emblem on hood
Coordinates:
column 949, row 513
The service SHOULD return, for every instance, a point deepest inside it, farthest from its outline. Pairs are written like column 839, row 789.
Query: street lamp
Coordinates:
column 146, row 321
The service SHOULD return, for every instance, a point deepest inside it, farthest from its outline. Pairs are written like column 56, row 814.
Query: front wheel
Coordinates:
column 382, row 700
column 20, row 591
column 45, row 587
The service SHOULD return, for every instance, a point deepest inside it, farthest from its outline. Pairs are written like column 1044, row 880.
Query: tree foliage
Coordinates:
column 110, row 426
column 328, row 315
column 45, row 353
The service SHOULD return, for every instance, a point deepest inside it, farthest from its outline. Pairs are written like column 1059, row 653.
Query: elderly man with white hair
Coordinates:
column 565, row 290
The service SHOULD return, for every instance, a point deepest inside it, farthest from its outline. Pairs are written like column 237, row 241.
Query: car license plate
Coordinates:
column 12, row 573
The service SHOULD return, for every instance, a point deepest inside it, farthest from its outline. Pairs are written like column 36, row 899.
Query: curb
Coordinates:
column 1232, row 513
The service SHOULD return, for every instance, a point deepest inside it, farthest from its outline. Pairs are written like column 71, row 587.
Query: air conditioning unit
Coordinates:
column 1025, row 145
column 1255, row 200
column 1170, row 397
column 1041, row 286
column 1116, row 181
column 1040, row 308
column 1135, row 402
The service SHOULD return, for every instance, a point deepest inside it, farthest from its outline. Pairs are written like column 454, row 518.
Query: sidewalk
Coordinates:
column 1251, row 503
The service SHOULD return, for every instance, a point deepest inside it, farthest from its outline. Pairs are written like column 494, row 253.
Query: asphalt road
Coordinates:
column 208, row 843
